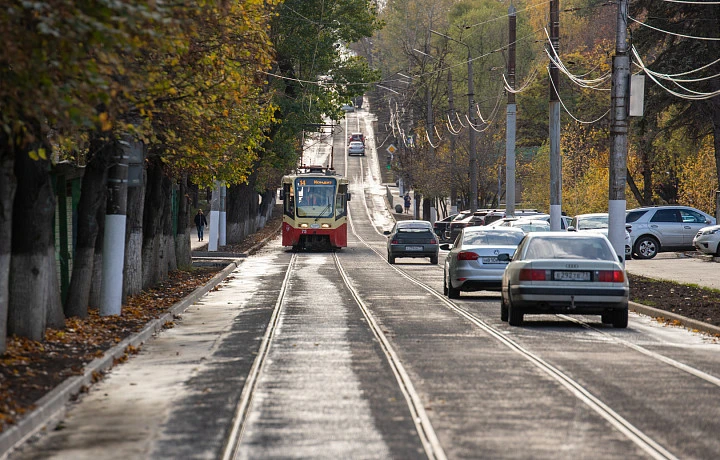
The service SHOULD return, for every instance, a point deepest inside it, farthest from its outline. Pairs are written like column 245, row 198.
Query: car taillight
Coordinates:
column 611, row 276
column 532, row 274
column 433, row 241
column 462, row 255
column 394, row 242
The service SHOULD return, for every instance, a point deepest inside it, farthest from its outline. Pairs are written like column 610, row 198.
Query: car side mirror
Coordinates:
column 571, row 229
column 282, row 195
column 386, row 232
column 348, row 196
column 504, row 257
column 446, row 246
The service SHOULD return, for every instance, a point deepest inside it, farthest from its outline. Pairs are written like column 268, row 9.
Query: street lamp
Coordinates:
column 471, row 133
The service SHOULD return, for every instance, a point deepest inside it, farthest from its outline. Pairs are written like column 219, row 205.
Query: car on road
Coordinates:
column 530, row 225
column 707, row 240
column 356, row 137
column 412, row 238
column 440, row 226
column 472, row 263
column 599, row 222
column 657, row 229
column 468, row 220
column 356, row 148
column 504, row 222
column 564, row 272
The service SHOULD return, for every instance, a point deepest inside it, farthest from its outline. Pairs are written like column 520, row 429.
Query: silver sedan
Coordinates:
column 473, row 264
column 565, row 272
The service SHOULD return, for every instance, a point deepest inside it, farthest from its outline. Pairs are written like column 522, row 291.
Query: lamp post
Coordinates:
column 471, row 133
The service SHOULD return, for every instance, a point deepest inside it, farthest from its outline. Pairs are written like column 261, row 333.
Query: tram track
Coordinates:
column 232, row 445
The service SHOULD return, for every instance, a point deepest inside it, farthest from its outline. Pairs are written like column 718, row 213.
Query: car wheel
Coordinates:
column 391, row 259
column 646, row 247
column 434, row 260
column 445, row 288
column 620, row 318
column 515, row 316
column 452, row 292
column 503, row 309
column 607, row 318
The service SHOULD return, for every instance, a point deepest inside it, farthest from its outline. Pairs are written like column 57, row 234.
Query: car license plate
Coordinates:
column 491, row 260
column 414, row 248
column 571, row 276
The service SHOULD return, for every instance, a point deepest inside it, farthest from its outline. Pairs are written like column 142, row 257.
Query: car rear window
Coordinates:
column 568, row 248
column 632, row 216
column 493, row 238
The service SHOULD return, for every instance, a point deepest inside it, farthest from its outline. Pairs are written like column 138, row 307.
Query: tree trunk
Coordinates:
column 168, row 262
column 242, row 210
column 7, row 196
column 133, row 273
column 34, row 292
column 182, row 239
column 95, row 297
column 91, row 198
column 152, row 228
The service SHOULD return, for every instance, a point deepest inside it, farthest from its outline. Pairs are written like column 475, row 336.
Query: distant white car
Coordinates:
column 356, row 148
column 707, row 240
column 564, row 272
column 598, row 222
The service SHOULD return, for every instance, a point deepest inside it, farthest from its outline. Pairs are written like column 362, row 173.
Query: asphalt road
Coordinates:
column 345, row 356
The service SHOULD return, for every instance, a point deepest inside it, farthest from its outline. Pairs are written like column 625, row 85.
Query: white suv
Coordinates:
column 665, row 228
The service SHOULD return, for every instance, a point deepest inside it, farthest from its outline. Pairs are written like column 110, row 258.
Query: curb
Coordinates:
column 689, row 323
column 50, row 408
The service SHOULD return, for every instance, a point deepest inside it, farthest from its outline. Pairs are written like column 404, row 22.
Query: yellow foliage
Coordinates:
column 698, row 180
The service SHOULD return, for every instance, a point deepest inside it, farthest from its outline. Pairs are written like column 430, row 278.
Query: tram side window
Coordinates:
column 289, row 201
column 341, row 202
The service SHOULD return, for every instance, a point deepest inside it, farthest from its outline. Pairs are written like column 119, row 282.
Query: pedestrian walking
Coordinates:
column 407, row 202
column 200, row 223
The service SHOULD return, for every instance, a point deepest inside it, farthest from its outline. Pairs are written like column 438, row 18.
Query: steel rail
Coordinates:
column 425, row 430
column 643, row 441
column 232, row 444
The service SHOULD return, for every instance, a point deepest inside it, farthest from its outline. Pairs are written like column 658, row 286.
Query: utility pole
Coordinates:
column 555, row 158
column 114, row 233
column 453, row 171
column 619, row 133
column 471, row 133
column 510, row 118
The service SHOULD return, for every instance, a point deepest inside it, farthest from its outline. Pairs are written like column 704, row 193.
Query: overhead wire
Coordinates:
column 692, row 37
column 568, row 111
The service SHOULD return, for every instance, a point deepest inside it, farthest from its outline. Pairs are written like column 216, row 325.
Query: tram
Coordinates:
column 314, row 209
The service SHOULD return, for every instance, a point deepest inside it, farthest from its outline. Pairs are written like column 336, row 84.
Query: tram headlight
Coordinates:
column 325, row 226
column 303, row 225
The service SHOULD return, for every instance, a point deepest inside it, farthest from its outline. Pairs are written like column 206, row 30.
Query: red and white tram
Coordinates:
column 314, row 209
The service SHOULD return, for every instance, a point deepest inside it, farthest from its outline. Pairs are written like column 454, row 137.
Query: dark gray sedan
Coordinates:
column 412, row 238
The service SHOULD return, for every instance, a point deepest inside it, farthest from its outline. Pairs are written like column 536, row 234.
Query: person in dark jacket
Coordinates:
column 200, row 223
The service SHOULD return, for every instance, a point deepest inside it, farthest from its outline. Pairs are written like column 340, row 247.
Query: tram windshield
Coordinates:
column 315, row 197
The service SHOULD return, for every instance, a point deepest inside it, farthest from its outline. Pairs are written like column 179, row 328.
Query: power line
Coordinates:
column 692, row 37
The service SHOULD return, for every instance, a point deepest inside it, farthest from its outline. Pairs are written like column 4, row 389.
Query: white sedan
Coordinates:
column 565, row 272
column 707, row 240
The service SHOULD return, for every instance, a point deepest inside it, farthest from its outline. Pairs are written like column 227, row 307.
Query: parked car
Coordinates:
column 412, row 238
column 530, row 225
column 469, row 220
column 665, row 228
column 356, row 137
column 599, row 222
column 356, row 148
column 504, row 222
column 707, row 240
column 440, row 226
column 564, row 272
column 472, row 263
column 348, row 108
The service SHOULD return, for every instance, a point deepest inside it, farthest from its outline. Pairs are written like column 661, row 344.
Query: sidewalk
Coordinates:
column 678, row 267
